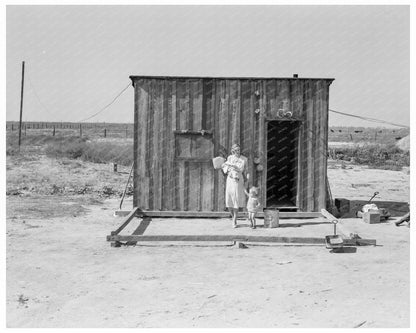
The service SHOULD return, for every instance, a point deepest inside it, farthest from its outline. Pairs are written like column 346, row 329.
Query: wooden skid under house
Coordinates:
column 181, row 123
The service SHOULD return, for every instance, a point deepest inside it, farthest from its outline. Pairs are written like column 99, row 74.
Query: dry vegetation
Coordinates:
column 387, row 157
column 110, row 143
column 51, row 170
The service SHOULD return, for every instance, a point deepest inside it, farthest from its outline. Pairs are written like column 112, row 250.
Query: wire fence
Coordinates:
column 351, row 135
column 91, row 130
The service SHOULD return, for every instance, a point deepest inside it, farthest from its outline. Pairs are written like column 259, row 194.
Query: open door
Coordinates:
column 282, row 164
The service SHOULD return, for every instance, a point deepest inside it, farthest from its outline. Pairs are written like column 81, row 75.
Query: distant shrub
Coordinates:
column 97, row 152
column 66, row 147
column 388, row 157
column 105, row 152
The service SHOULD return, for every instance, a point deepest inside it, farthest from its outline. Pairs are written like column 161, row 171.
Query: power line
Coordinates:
column 369, row 119
column 37, row 96
column 105, row 107
column 124, row 89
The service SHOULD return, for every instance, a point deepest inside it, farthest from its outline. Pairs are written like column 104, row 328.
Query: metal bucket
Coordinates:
column 271, row 218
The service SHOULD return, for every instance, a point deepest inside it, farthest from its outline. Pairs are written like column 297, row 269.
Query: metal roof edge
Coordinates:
column 136, row 77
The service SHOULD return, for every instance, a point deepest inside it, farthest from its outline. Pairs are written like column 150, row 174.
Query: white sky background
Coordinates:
column 79, row 57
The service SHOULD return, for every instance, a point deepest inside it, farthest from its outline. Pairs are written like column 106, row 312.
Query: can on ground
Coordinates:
column 271, row 218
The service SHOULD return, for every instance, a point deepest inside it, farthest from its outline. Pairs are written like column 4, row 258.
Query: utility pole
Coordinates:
column 21, row 102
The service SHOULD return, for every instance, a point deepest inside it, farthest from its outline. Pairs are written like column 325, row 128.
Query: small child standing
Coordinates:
column 252, row 205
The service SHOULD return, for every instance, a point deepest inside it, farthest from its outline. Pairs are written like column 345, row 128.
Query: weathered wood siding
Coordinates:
column 173, row 169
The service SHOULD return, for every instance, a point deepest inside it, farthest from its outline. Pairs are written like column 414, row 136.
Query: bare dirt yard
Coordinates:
column 61, row 271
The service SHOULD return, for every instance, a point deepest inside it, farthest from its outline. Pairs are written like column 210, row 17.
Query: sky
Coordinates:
column 78, row 58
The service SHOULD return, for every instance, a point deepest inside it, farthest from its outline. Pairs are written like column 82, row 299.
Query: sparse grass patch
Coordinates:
column 97, row 152
column 105, row 152
column 66, row 147
column 73, row 148
column 387, row 157
column 12, row 149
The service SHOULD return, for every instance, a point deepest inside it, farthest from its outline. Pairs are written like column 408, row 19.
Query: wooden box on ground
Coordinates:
column 349, row 208
column 371, row 217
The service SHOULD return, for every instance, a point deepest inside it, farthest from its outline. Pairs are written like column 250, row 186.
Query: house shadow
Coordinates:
column 297, row 225
column 345, row 249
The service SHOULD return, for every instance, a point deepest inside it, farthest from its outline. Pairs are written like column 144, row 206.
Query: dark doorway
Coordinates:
column 282, row 164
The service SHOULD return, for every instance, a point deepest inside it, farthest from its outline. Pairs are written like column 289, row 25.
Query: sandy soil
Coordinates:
column 359, row 182
column 61, row 272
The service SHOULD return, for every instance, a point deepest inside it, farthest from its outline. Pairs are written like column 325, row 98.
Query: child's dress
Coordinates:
column 252, row 204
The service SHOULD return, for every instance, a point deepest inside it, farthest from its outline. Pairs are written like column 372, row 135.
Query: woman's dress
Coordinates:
column 234, row 189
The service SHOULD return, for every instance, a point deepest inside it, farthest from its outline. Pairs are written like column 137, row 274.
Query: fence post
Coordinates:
column 105, row 132
column 25, row 129
column 126, row 132
column 53, row 133
column 80, row 130
column 12, row 127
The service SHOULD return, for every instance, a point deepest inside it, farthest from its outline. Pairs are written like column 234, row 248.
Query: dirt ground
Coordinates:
column 358, row 182
column 61, row 272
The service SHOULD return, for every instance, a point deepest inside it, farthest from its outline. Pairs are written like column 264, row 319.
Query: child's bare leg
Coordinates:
column 254, row 221
column 231, row 211
column 250, row 217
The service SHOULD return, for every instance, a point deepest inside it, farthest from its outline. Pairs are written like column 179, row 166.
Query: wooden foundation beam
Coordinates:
column 329, row 216
column 359, row 242
column 346, row 235
column 117, row 239
column 215, row 238
column 130, row 217
column 233, row 238
column 197, row 214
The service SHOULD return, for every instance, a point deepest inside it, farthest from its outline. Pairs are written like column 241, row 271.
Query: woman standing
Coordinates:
column 236, row 170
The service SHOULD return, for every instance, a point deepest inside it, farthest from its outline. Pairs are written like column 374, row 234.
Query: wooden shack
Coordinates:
column 181, row 123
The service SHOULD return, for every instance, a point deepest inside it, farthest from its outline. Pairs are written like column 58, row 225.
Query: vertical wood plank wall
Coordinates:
column 173, row 170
